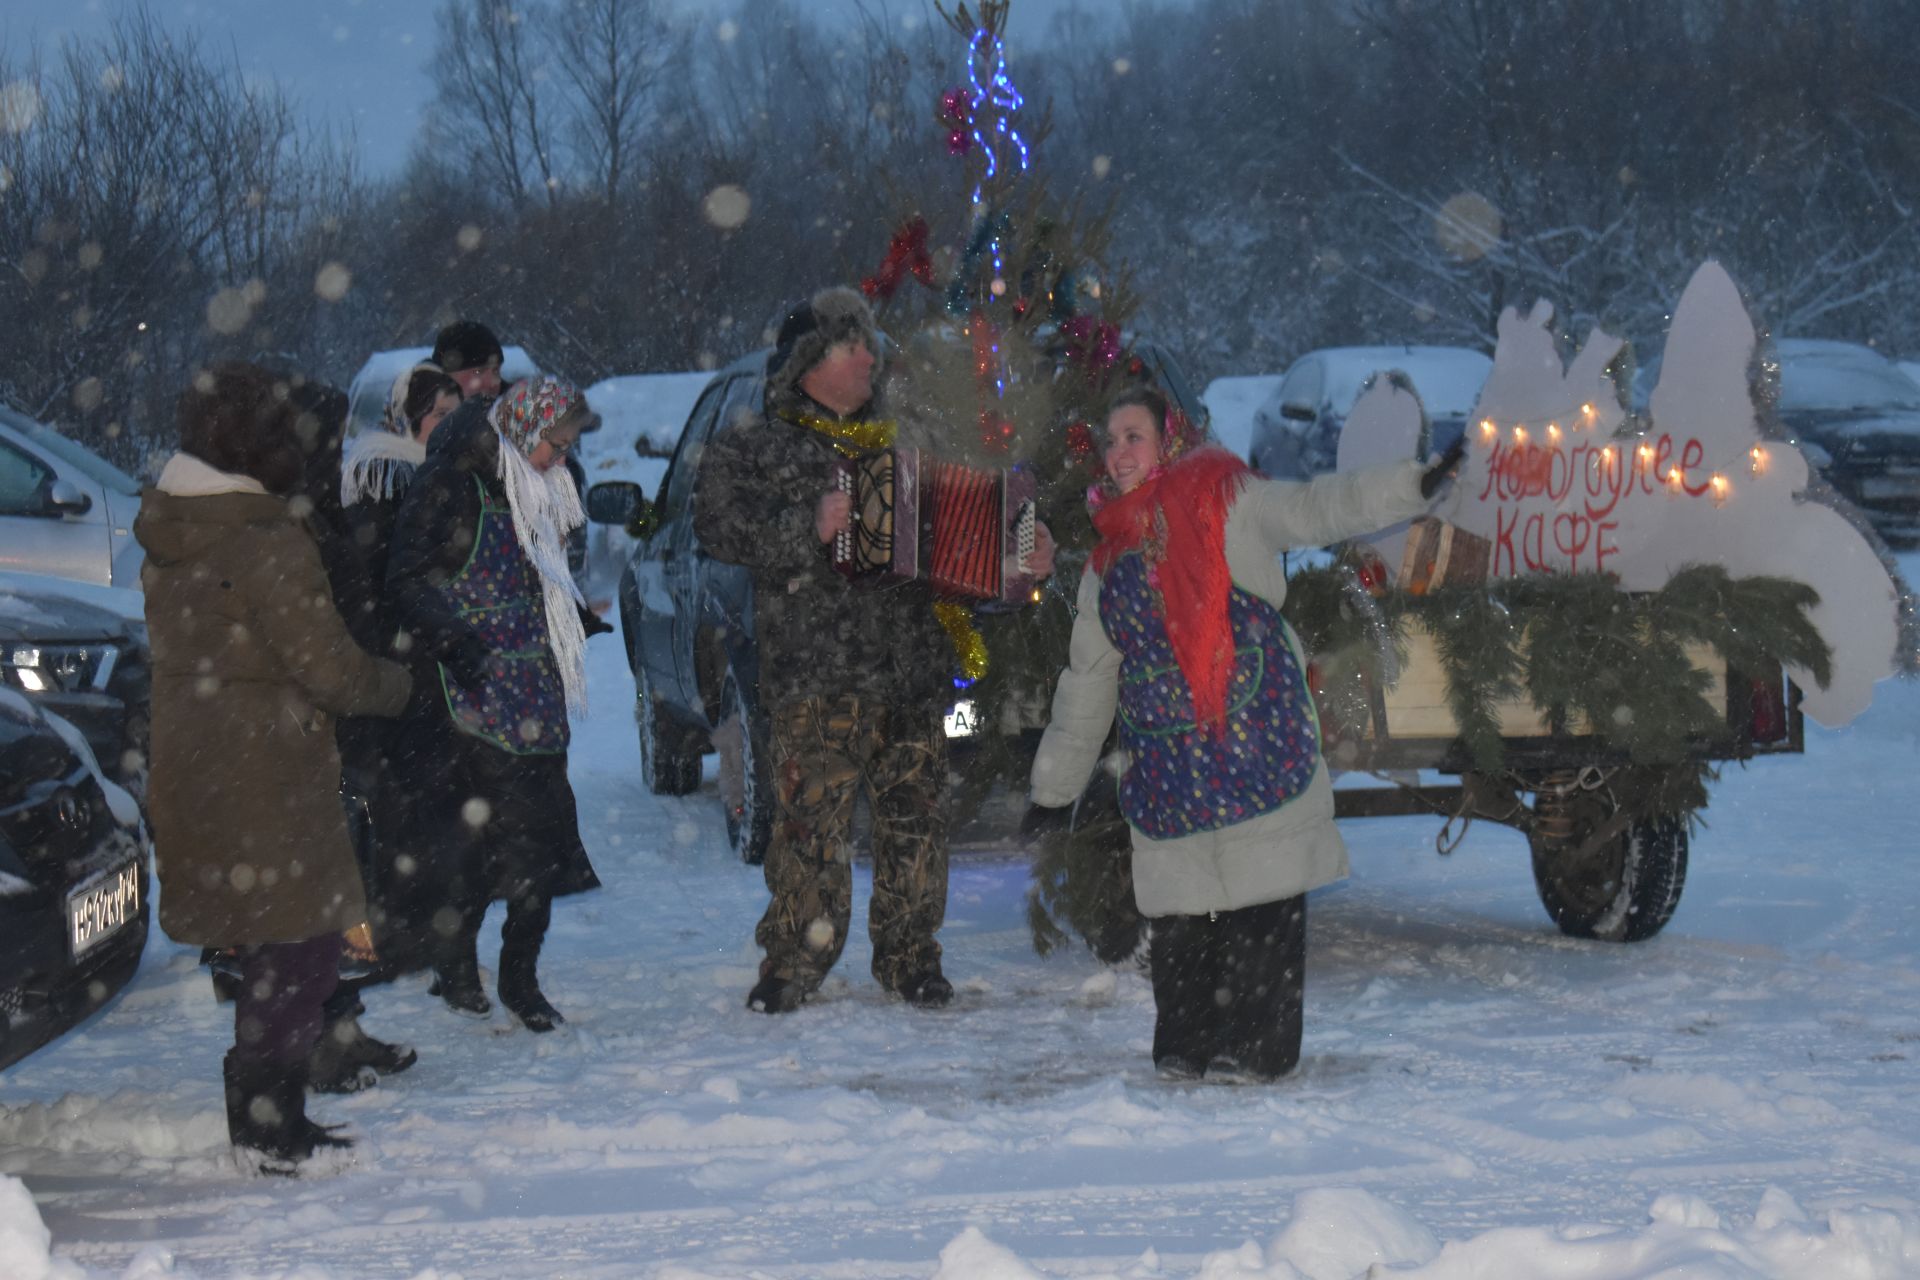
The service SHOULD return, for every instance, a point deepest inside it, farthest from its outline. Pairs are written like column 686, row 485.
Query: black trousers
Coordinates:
column 1228, row 989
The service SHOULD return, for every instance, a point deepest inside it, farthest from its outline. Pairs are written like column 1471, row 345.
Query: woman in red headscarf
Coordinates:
column 1179, row 632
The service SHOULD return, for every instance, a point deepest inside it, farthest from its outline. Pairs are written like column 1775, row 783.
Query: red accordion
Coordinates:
column 967, row 531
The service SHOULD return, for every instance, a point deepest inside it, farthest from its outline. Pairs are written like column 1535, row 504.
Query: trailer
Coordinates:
column 1604, row 866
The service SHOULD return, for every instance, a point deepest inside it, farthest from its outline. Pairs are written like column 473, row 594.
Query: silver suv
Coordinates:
column 64, row 511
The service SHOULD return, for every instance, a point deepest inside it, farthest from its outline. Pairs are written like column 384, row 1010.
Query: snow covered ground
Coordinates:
column 1480, row 1097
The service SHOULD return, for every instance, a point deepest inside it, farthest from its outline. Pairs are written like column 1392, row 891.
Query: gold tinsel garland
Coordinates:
column 968, row 643
column 853, row 437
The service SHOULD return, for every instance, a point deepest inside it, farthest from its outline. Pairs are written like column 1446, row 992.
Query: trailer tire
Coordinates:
column 1626, row 889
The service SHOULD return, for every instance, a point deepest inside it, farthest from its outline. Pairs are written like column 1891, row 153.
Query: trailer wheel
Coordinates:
column 1624, row 888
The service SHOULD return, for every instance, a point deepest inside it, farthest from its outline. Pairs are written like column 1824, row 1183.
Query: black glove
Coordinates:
column 1041, row 822
column 469, row 662
column 594, row 624
column 1437, row 474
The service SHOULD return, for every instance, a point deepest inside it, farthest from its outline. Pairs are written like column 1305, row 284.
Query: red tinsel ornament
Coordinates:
column 906, row 256
column 959, row 142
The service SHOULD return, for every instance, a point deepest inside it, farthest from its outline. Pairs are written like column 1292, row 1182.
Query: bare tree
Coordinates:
column 623, row 60
column 493, row 78
column 152, row 204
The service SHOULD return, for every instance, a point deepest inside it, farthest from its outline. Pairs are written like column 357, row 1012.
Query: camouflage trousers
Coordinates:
column 823, row 751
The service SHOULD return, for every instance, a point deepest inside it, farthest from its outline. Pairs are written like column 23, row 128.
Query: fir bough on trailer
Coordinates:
column 1575, row 645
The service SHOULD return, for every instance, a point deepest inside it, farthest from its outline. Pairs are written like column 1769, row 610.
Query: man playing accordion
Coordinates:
column 855, row 678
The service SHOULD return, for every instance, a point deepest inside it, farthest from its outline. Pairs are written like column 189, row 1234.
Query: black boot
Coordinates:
column 345, row 1059
column 1263, row 961
column 776, row 995
column 927, row 990
column 267, row 1114
column 1186, row 980
column 520, row 939
column 456, row 973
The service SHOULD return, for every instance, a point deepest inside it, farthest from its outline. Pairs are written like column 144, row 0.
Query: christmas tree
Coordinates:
column 1011, row 343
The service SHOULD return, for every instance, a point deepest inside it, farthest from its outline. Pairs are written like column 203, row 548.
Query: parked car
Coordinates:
column 1296, row 433
column 688, row 618
column 1860, row 415
column 640, row 420
column 367, row 393
column 1856, row 416
column 81, row 653
column 64, row 510
column 74, row 883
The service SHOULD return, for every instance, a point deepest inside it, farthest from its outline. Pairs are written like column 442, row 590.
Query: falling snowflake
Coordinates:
column 726, row 206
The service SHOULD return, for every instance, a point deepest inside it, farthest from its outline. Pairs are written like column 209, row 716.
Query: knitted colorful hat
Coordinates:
column 531, row 406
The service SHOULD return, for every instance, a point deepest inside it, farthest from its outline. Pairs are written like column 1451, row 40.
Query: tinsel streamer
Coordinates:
column 968, row 644
column 906, row 256
column 853, row 437
column 1763, row 389
column 986, row 229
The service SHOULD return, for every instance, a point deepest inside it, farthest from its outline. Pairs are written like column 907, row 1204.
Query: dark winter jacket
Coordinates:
column 527, row 840
column 251, row 663
column 818, row 632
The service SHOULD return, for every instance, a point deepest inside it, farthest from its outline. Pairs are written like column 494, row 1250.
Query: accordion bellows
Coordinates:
column 967, row 531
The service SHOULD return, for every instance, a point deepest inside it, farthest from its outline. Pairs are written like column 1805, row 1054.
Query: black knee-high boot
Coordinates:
column 1185, row 981
column 1263, row 954
column 520, row 939
column 267, row 1112
column 456, row 968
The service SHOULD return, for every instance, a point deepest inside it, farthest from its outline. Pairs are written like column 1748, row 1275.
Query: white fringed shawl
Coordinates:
column 373, row 463
column 546, row 508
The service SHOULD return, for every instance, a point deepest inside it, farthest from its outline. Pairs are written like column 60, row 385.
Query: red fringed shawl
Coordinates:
column 1177, row 517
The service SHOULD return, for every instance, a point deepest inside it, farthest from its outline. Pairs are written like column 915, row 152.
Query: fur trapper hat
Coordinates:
column 814, row 328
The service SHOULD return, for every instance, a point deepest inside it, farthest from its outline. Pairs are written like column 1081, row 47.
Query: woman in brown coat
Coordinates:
column 250, row 665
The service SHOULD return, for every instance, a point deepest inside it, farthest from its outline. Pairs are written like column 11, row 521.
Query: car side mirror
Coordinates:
column 1297, row 412
column 65, row 498
column 624, row 503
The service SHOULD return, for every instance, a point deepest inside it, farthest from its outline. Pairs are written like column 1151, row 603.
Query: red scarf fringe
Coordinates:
column 1178, row 517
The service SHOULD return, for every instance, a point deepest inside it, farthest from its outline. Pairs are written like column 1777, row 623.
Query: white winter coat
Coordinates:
column 1285, row 851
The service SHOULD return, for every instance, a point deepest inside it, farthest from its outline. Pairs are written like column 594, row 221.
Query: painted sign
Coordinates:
column 1561, row 479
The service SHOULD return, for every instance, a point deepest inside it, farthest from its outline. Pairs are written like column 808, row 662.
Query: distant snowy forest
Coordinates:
column 1281, row 174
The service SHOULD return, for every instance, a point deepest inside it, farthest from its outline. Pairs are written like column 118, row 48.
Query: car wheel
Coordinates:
column 667, row 766
column 746, row 785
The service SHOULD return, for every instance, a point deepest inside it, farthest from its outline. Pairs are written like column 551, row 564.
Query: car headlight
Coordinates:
column 58, row 668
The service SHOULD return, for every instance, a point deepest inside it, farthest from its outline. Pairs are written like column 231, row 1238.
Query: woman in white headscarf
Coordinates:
column 376, row 470
column 478, row 580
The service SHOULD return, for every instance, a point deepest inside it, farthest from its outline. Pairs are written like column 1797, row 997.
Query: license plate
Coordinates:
column 102, row 905
column 963, row 721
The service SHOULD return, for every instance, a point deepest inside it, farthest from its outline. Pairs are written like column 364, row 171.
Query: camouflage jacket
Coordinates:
column 818, row 633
